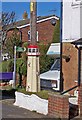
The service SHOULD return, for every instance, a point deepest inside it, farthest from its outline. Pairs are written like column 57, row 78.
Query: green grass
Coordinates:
column 42, row 94
column 8, row 90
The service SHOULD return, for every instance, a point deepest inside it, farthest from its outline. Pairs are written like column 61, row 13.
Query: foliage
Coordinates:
column 56, row 36
column 7, row 66
column 10, row 65
column 21, row 66
column 3, row 67
column 7, row 18
column 13, row 40
column 42, row 94
column 45, row 61
column 24, row 56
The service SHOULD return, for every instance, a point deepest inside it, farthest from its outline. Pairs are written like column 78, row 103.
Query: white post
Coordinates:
column 14, row 73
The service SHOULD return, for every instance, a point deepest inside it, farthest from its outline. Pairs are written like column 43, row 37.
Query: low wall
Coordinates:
column 31, row 102
column 58, row 106
column 80, row 100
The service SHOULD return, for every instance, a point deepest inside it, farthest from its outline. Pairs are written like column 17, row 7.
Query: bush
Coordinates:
column 45, row 61
column 7, row 66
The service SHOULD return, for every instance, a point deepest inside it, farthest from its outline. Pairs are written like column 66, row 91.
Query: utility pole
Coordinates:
column 33, row 20
column 33, row 71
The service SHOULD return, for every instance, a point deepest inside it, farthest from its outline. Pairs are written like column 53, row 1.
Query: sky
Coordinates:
column 43, row 8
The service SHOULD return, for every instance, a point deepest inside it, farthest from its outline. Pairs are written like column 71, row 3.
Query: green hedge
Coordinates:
column 8, row 66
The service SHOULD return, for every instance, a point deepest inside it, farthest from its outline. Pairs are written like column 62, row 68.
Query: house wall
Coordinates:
column 45, row 32
column 72, row 18
column 70, row 69
column 10, row 32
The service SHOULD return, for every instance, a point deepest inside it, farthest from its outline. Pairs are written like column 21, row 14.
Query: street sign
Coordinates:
column 20, row 49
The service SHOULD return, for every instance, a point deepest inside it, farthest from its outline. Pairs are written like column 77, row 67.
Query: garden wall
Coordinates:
column 31, row 102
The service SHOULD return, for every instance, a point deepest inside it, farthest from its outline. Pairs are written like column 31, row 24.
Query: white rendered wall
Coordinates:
column 31, row 102
column 72, row 16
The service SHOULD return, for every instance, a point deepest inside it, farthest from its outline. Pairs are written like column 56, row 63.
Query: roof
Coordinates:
column 40, row 19
column 54, row 50
column 26, row 22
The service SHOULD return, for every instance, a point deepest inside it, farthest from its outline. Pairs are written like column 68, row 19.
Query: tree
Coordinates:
column 45, row 61
column 56, row 36
column 13, row 40
column 7, row 19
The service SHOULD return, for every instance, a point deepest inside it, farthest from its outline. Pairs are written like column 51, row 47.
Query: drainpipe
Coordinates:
column 61, row 80
column 79, row 64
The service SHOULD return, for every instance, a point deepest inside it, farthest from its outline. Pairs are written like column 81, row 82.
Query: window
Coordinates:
column 29, row 36
column 33, row 50
column 56, row 65
column 29, row 50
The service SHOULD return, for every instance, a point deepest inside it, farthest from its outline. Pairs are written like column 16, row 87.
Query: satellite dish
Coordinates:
column 53, row 21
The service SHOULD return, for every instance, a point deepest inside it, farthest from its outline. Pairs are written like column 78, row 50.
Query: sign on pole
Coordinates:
column 20, row 49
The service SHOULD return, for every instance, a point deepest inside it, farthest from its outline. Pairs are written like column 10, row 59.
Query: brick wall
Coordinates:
column 70, row 69
column 45, row 32
column 58, row 106
column 80, row 100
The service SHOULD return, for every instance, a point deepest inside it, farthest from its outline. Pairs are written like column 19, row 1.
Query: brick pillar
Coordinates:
column 80, row 100
column 58, row 106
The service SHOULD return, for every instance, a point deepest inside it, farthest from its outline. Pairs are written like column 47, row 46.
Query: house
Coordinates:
column 45, row 29
column 71, row 31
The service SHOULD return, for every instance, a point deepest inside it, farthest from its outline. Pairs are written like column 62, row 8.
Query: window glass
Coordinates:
column 33, row 50
column 56, row 65
column 29, row 50
column 36, row 50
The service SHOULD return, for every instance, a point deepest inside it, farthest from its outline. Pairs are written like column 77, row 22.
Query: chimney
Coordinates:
column 25, row 15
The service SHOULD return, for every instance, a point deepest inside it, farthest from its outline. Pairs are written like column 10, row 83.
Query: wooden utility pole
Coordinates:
column 33, row 20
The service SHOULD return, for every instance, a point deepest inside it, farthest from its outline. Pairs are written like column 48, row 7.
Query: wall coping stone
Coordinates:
column 58, row 95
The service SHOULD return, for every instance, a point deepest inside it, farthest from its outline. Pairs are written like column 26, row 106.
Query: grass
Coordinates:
column 8, row 90
column 42, row 94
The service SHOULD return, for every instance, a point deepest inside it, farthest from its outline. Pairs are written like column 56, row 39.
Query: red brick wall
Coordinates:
column 70, row 69
column 58, row 106
column 45, row 32
column 25, row 33
column 10, row 32
column 80, row 100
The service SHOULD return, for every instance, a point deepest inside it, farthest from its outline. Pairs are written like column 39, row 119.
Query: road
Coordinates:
column 11, row 111
column 8, row 110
